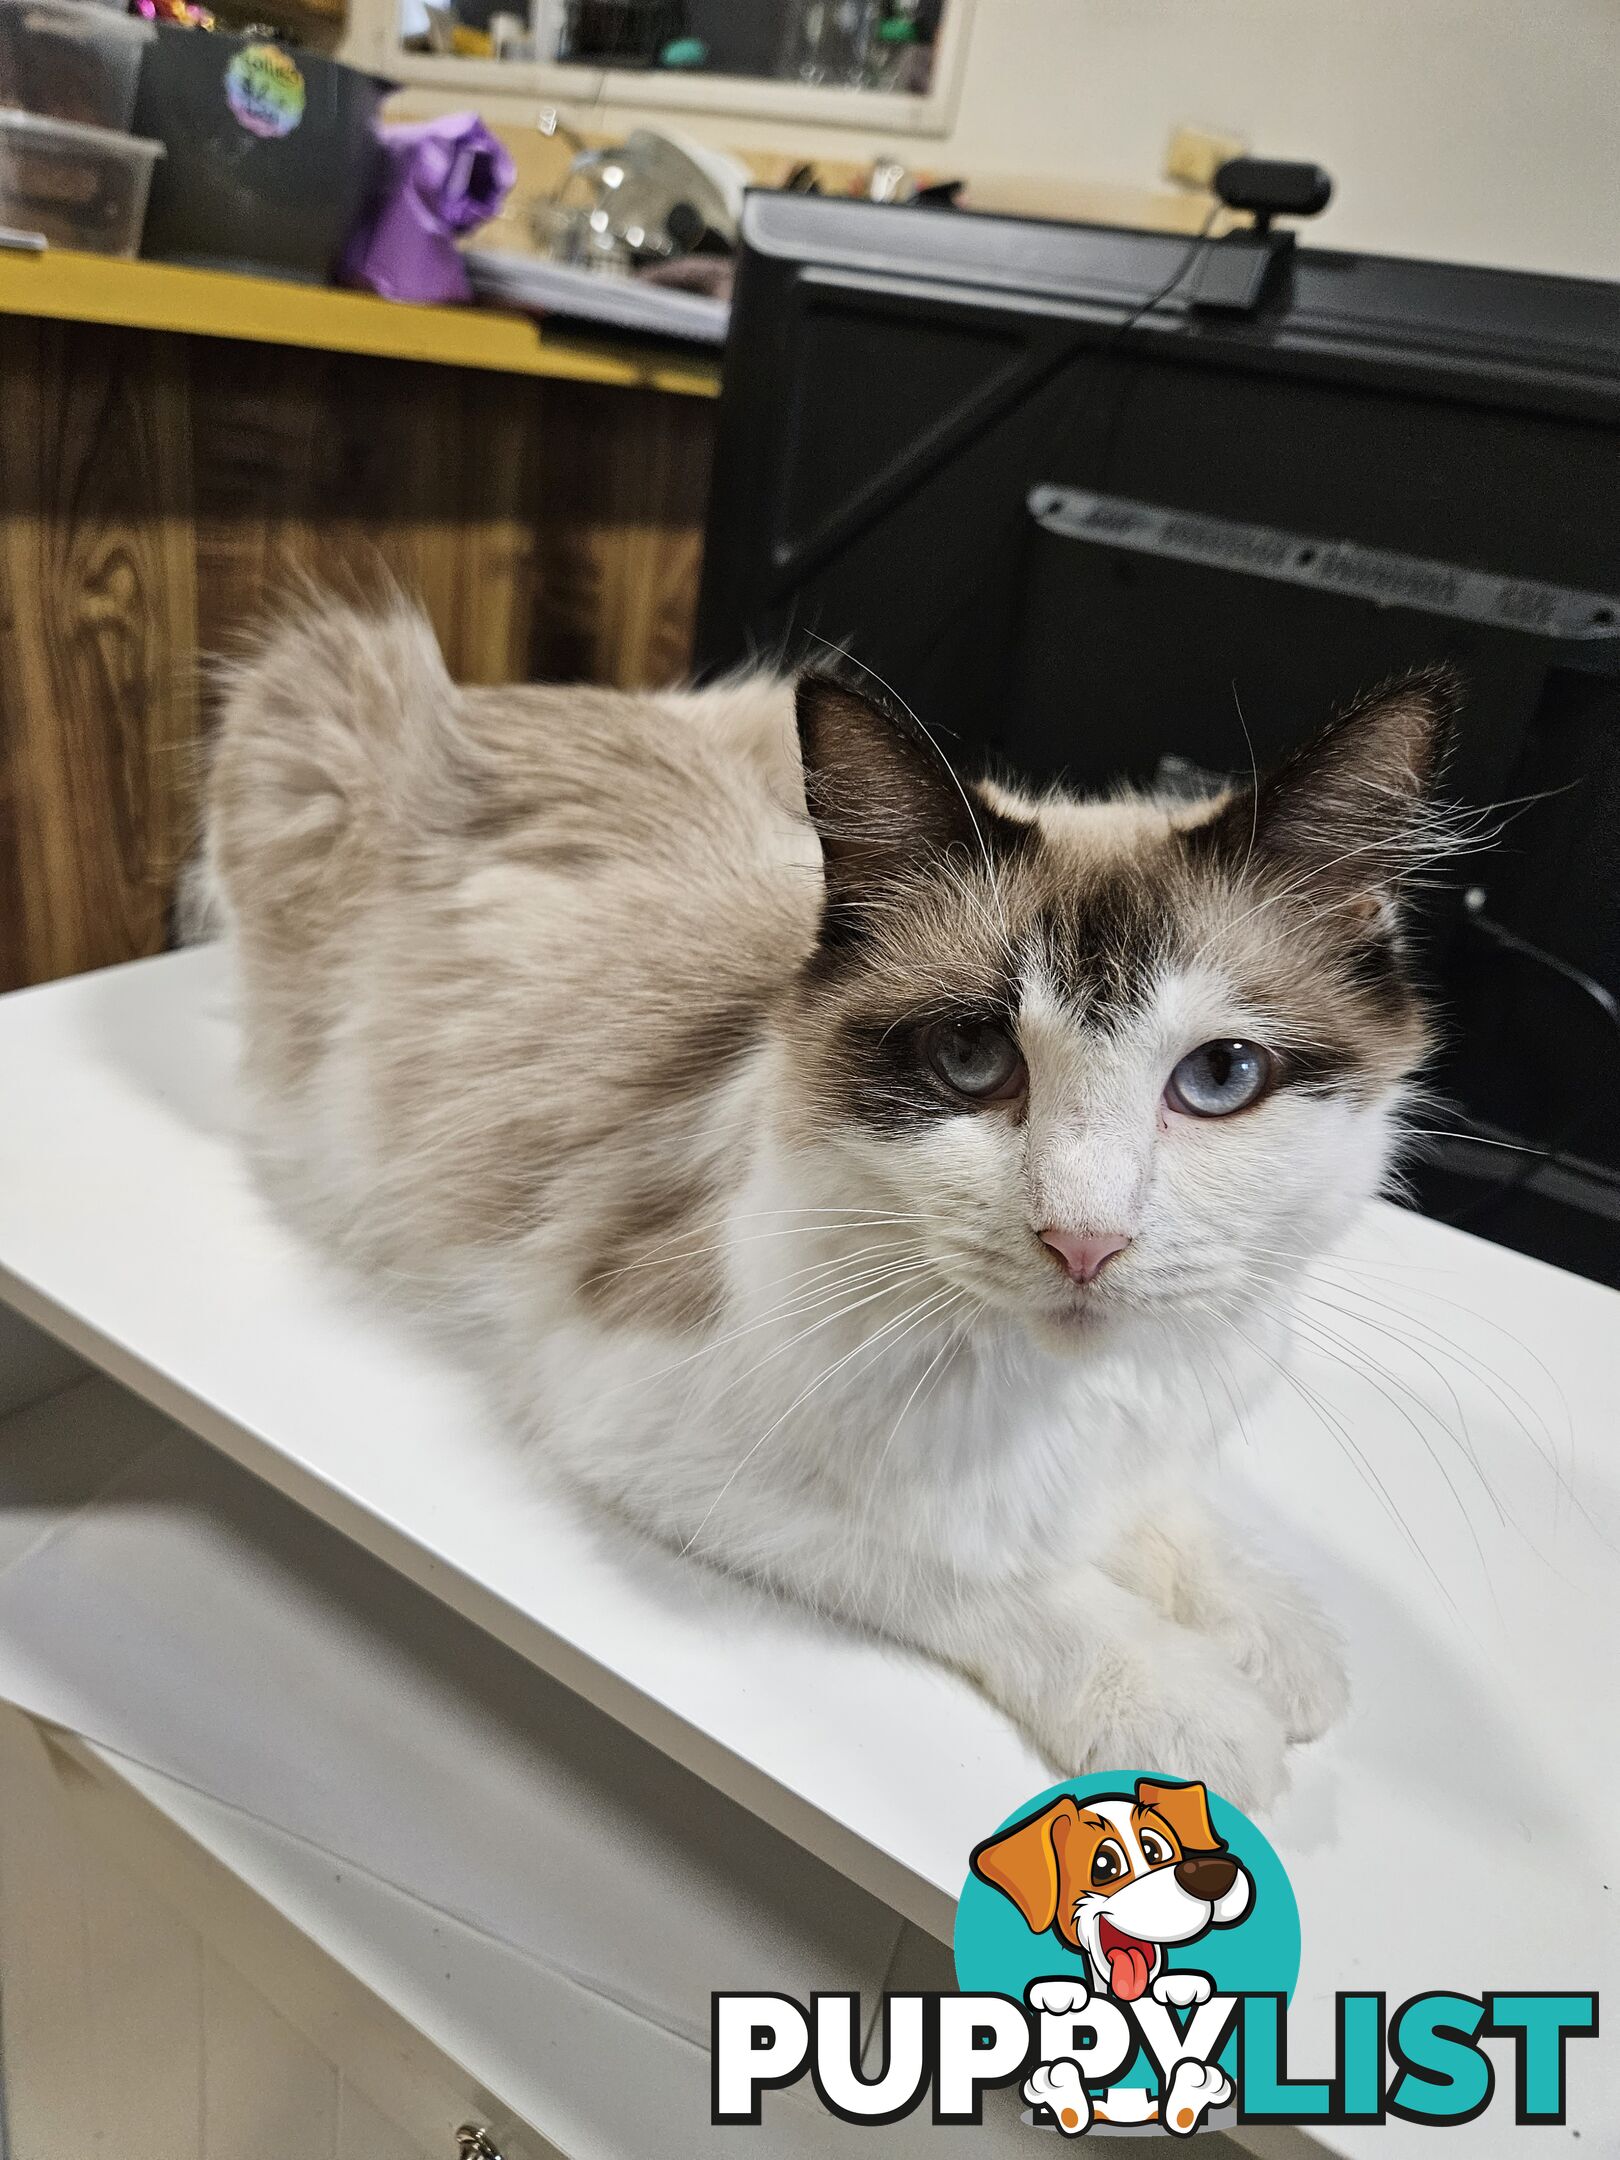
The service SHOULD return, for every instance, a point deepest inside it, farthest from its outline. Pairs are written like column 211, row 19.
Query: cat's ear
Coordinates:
column 1350, row 815
column 882, row 797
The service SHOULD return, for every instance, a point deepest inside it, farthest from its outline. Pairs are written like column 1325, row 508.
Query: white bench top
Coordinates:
column 1455, row 1833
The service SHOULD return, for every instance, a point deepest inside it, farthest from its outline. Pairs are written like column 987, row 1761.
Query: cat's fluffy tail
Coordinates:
column 338, row 742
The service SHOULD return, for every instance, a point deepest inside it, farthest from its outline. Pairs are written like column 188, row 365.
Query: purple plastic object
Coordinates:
column 440, row 178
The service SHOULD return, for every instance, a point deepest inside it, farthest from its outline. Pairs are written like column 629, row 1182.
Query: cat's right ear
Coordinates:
column 1349, row 817
column 882, row 797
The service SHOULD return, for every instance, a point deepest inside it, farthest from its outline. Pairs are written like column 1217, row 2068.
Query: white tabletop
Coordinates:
column 1454, row 1834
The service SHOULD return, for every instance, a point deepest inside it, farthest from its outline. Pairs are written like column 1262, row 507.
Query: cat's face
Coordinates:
column 1110, row 1062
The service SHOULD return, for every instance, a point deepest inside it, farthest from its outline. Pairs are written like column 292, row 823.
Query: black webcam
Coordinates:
column 1273, row 187
column 1234, row 273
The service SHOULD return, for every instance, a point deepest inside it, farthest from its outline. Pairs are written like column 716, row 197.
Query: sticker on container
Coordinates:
column 265, row 90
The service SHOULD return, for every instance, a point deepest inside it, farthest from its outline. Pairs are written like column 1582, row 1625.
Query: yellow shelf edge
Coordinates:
column 66, row 287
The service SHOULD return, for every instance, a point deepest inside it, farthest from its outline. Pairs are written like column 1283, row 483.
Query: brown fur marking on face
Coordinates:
column 1104, row 933
column 950, row 899
column 1100, row 911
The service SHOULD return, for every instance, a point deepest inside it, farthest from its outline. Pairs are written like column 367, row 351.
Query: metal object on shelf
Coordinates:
column 646, row 199
column 473, row 2142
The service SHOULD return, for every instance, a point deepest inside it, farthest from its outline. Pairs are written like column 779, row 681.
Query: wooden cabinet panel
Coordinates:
column 158, row 492
column 622, row 488
column 344, row 469
column 97, row 680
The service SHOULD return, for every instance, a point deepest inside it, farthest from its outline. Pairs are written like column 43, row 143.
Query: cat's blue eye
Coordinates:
column 976, row 1058
column 1218, row 1078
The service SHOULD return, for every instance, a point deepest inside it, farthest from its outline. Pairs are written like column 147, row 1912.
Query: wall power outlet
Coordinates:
column 1194, row 155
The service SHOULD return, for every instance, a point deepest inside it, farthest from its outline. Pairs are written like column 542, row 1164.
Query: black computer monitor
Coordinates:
column 1088, row 527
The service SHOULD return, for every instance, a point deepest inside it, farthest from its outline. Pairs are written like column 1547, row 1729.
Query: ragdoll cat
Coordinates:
column 877, row 1185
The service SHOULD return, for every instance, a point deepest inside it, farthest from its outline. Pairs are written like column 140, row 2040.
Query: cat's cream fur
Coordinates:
column 560, row 1013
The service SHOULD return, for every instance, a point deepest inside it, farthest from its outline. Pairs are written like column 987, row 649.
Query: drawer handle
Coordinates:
column 475, row 2143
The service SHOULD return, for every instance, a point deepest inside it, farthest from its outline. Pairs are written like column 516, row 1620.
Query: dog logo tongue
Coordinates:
column 1130, row 1963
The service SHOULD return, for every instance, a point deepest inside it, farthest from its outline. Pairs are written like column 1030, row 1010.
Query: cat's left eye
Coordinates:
column 1218, row 1078
column 976, row 1058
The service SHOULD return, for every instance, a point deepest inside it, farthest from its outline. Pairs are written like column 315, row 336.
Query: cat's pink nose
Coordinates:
column 1085, row 1257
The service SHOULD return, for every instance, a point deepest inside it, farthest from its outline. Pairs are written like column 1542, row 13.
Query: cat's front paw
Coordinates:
column 1196, row 1572
column 1174, row 1706
column 1294, row 1656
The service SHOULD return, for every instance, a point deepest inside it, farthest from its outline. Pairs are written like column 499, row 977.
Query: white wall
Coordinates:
column 1476, row 130
column 1482, row 130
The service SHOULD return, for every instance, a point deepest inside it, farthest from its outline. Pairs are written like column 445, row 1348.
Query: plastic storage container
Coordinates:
column 71, row 60
column 273, row 155
column 82, row 187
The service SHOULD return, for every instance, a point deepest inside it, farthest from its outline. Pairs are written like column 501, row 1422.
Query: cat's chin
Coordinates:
column 1077, row 1329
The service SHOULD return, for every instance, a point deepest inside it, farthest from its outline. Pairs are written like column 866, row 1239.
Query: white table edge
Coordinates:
column 906, row 1892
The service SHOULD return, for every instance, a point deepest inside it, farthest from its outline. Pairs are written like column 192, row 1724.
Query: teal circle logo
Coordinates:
column 1118, row 1883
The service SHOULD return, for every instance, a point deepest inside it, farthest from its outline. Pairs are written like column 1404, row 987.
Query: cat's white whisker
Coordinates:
column 895, row 1281
column 952, row 1340
column 1357, row 1358
column 876, row 1280
column 1328, row 1343
column 1336, row 1427
column 677, row 1252
column 1418, row 1334
column 821, row 1379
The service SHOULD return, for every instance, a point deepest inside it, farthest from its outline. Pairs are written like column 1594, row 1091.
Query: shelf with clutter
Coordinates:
column 63, row 286
column 163, row 135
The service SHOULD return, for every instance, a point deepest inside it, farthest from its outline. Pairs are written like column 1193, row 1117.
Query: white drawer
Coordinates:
column 156, row 2009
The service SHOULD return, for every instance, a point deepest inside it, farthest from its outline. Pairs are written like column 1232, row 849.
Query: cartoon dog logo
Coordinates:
column 1120, row 1877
